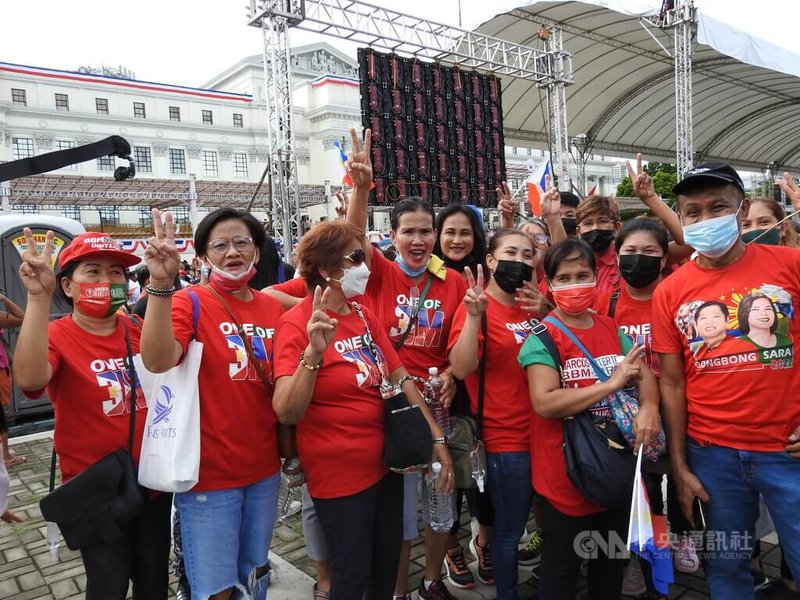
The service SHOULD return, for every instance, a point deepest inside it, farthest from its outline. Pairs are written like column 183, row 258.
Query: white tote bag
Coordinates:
column 170, row 458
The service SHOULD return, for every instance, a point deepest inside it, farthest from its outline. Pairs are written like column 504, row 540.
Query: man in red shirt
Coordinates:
column 733, row 419
column 598, row 224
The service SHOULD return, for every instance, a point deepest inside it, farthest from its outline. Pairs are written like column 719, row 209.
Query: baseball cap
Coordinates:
column 94, row 244
column 708, row 173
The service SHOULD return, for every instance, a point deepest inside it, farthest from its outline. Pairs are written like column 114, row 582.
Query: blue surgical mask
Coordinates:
column 413, row 273
column 713, row 237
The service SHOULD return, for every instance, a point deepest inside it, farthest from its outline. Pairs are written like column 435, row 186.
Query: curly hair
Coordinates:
column 323, row 247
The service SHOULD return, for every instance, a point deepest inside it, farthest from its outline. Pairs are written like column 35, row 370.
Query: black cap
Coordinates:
column 708, row 173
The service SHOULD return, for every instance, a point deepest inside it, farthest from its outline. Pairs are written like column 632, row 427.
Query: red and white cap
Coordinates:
column 94, row 244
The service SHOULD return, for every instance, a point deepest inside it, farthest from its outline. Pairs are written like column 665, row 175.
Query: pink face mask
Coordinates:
column 230, row 282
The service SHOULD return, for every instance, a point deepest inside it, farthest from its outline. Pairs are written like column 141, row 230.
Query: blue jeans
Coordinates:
column 226, row 536
column 733, row 480
column 509, row 483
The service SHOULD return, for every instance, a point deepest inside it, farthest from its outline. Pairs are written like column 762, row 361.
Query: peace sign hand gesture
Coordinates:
column 359, row 163
column 36, row 270
column 642, row 182
column 551, row 201
column 475, row 299
column 321, row 328
column 161, row 255
column 791, row 189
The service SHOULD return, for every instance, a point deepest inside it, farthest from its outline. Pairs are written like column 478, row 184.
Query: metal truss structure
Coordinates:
column 380, row 27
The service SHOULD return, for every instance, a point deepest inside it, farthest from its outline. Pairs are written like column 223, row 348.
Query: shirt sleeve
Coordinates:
column 534, row 352
column 290, row 341
column 377, row 270
column 624, row 341
column 666, row 337
column 457, row 326
column 294, row 287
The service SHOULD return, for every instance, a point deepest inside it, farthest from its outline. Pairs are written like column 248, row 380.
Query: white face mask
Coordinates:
column 354, row 280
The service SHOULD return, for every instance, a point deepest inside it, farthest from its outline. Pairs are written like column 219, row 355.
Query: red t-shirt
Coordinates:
column 393, row 296
column 739, row 393
column 548, row 468
column 90, row 391
column 608, row 277
column 506, row 405
column 634, row 318
column 293, row 287
column 238, row 427
column 340, row 438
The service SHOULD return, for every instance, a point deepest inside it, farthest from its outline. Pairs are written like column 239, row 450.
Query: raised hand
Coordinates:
column 630, row 369
column 359, row 163
column 341, row 208
column 321, row 328
column 551, row 201
column 475, row 299
column 531, row 299
column 161, row 255
column 643, row 185
column 506, row 206
column 36, row 270
column 791, row 189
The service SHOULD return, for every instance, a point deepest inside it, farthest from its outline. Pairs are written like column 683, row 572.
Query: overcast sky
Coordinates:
column 187, row 43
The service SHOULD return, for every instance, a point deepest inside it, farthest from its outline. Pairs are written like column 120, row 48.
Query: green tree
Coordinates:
column 625, row 188
column 652, row 168
column 664, row 181
column 665, row 176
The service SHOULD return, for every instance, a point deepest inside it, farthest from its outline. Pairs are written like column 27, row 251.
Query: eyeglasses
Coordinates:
column 540, row 238
column 356, row 257
column 241, row 243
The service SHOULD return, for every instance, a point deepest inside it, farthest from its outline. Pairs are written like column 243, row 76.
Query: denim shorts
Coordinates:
column 226, row 536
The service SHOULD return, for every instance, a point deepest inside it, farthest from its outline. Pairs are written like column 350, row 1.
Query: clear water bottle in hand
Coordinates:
column 441, row 413
column 53, row 540
column 292, row 478
column 440, row 503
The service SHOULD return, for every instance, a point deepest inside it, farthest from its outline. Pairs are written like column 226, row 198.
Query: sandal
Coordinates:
column 320, row 595
column 16, row 460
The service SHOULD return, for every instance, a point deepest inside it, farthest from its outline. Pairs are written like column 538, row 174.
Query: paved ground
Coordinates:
column 27, row 572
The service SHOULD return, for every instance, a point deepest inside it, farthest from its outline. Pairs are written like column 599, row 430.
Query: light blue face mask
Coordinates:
column 713, row 237
column 413, row 273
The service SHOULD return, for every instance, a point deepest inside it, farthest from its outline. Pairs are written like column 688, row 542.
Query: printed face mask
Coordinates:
column 713, row 237
column 354, row 280
column 639, row 270
column 598, row 239
column 574, row 299
column 230, row 282
column 100, row 300
column 511, row 274
column 769, row 237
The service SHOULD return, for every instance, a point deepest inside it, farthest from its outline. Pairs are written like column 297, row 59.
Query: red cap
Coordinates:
column 95, row 244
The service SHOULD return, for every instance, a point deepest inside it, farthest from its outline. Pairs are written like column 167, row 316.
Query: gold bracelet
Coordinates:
column 305, row 365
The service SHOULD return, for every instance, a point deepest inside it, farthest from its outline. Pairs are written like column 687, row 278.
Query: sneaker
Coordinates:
column 633, row 584
column 684, row 557
column 531, row 553
column 457, row 571
column 484, row 556
column 760, row 581
column 437, row 591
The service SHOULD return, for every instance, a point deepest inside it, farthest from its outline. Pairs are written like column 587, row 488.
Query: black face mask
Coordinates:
column 599, row 239
column 460, row 265
column 640, row 270
column 570, row 225
column 511, row 274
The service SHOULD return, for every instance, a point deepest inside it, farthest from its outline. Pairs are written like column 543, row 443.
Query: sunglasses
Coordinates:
column 357, row 256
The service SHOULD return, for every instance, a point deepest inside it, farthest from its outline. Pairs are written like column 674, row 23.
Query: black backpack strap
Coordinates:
column 612, row 307
column 482, row 378
column 111, row 146
column 540, row 331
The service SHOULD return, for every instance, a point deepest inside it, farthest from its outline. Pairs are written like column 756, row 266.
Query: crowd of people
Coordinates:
column 539, row 323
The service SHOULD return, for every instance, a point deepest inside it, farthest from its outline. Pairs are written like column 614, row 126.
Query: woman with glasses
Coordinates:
column 226, row 520
column 327, row 382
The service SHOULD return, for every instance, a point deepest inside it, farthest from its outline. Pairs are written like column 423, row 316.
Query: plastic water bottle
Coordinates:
column 477, row 463
column 441, row 504
column 291, row 478
column 53, row 540
column 441, row 413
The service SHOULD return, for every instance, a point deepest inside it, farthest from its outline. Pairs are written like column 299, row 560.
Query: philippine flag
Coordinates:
column 537, row 183
column 346, row 179
column 647, row 534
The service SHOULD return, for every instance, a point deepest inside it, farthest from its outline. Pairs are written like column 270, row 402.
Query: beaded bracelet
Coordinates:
column 305, row 365
column 162, row 292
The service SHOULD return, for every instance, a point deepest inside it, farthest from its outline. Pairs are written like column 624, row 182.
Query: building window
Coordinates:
column 208, row 117
column 27, row 209
column 66, row 145
column 238, row 120
column 180, row 214
column 239, row 164
column 175, row 114
column 21, row 147
column 62, row 102
column 71, row 212
column 106, row 163
column 138, row 110
column 19, row 97
column 145, row 216
column 210, row 164
column 109, row 215
column 177, row 161
column 141, row 156
column 101, row 104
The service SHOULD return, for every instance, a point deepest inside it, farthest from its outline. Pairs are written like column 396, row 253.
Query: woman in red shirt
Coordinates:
column 327, row 379
column 82, row 360
column 571, row 273
column 234, row 502
column 506, row 406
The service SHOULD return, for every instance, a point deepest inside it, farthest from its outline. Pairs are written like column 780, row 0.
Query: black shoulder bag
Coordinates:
column 408, row 444
column 95, row 505
column 600, row 463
